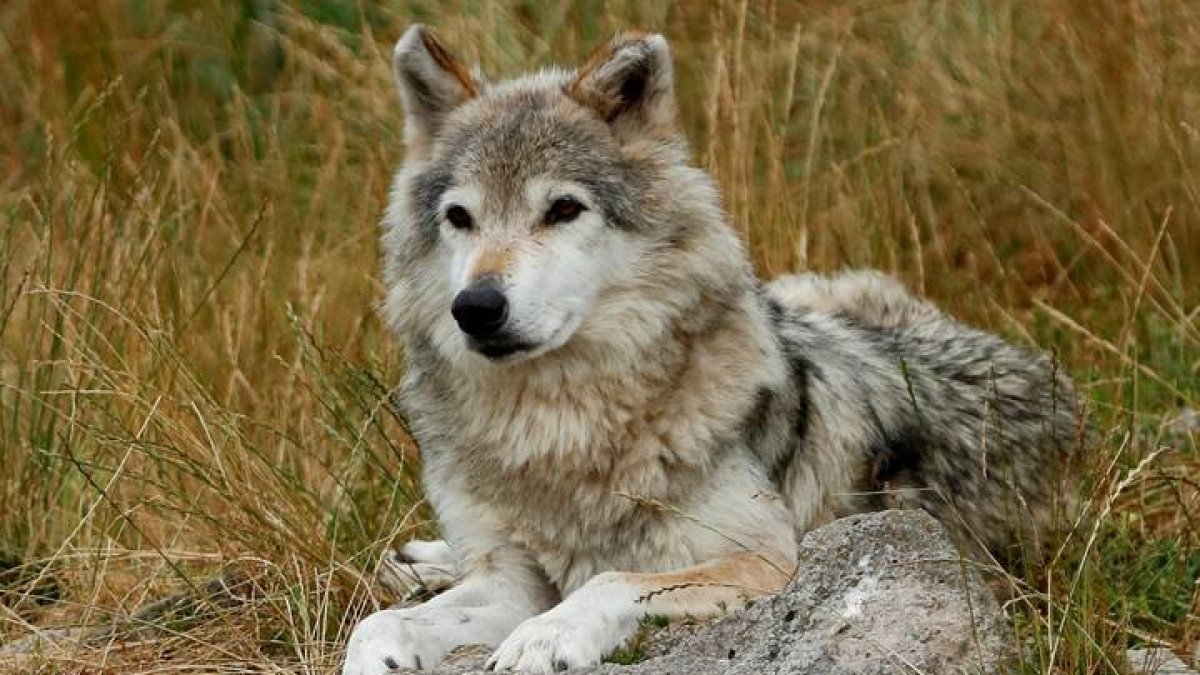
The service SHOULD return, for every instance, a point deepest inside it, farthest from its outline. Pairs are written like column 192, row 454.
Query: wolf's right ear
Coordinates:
column 631, row 84
column 432, row 83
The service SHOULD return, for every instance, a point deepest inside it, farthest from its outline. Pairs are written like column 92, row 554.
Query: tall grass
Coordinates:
column 193, row 379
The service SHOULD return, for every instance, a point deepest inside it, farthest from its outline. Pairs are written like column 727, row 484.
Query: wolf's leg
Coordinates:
column 434, row 552
column 418, row 568
column 483, row 609
column 411, row 580
column 602, row 614
column 501, row 587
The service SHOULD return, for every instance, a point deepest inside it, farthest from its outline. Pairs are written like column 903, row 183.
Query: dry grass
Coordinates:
column 192, row 377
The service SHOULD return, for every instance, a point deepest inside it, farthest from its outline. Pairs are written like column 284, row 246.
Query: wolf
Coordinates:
column 616, row 417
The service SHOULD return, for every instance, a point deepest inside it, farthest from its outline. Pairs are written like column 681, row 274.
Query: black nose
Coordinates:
column 480, row 310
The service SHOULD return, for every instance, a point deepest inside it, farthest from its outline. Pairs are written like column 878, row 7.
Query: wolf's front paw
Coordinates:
column 560, row 639
column 414, row 580
column 389, row 641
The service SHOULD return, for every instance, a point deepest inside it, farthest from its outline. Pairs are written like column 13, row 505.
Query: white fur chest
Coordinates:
column 586, row 458
column 579, row 474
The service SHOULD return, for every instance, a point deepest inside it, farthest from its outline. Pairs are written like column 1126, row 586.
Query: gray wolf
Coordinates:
column 616, row 418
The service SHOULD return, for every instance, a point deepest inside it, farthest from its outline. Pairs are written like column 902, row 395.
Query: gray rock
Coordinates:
column 43, row 640
column 1157, row 661
column 1185, row 423
column 875, row 593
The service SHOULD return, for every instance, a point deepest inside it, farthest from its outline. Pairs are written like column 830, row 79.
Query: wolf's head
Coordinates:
column 554, row 209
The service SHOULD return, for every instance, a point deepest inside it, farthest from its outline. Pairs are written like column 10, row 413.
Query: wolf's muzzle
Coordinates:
column 480, row 309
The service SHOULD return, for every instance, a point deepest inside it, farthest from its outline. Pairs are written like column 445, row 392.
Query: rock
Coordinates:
column 1157, row 661
column 223, row 592
column 1185, row 423
column 43, row 641
column 875, row 593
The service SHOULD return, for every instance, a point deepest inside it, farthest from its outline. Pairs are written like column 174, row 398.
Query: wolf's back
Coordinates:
column 981, row 433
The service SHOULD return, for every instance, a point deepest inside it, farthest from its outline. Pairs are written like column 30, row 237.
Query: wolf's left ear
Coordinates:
column 432, row 83
column 630, row 83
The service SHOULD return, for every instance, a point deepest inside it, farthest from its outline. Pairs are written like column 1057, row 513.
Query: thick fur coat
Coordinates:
column 616, row 417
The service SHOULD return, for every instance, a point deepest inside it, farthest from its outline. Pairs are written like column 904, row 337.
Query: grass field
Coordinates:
column 193, row 378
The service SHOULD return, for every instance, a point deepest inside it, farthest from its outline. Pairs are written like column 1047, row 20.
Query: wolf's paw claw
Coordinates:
column 549, row 644
column 388, row 642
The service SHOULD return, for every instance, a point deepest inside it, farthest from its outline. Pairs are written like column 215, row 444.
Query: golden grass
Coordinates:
column 192, row 377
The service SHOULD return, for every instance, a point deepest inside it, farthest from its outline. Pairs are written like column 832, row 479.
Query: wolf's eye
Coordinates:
column 564, row 210
column 459, row 218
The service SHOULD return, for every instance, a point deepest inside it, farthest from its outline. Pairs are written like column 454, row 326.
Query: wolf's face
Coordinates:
column 520, row 204
column 527, row 209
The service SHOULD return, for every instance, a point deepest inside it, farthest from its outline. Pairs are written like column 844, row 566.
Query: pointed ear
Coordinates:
column 630, row 83
column 432, row 83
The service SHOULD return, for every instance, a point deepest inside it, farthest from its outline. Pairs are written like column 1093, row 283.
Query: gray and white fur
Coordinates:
column 616, row 417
